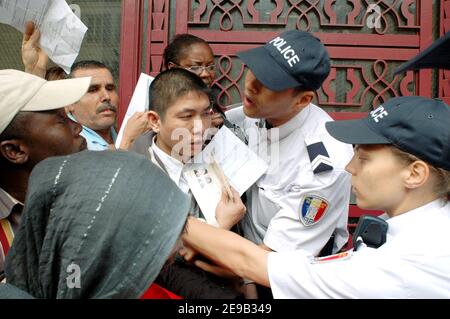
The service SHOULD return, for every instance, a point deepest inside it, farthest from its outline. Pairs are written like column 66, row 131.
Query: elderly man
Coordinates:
column 33, row 126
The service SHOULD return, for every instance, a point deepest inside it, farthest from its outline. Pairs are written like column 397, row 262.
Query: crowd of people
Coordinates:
column 82, row 219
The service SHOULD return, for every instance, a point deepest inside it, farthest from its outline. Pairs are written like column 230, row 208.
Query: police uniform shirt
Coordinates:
column 304, row 196
column 413, row 263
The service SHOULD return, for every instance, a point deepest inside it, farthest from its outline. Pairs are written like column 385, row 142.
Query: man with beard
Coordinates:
column 96, row 111
column 33, row 126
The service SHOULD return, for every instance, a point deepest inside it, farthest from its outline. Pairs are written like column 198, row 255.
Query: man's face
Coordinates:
column 182, row 129
column 52, row 133
column 260, row 102
column 97, row 109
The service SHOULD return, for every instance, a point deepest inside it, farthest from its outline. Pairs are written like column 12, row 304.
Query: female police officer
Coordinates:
column 401, row 165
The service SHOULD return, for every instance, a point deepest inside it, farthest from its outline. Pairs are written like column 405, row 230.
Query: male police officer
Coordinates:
column 303, row 198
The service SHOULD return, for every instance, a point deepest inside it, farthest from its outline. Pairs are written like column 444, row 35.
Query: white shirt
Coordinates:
column 172, row 166
column 277, row 200
column 413, row 263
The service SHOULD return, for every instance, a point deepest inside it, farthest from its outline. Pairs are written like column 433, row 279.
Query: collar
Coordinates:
column 94, row 140
column 405, row 220
column 7, row 203
column 173, row 166
column 294, row 123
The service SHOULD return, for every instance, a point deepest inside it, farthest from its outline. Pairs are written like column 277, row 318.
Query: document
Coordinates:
column 138, row 102
column 241, row 166
column 61, row 31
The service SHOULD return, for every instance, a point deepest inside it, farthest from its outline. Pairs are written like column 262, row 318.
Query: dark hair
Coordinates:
column 172, row 84
column 55, row 73
column 88, row 64
column 176, row 49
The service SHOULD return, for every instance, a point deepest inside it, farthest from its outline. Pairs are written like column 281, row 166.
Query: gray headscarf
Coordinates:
column 112, row 215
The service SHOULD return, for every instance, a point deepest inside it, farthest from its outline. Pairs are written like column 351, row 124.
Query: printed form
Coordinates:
column 241, row 166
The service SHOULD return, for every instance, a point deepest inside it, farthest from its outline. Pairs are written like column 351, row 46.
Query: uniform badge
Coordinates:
column 312, row 209
column 318, row 155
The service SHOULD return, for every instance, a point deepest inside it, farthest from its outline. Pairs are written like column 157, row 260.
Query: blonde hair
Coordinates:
column 442, row 186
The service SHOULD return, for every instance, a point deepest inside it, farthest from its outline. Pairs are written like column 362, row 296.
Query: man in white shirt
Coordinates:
column 179, row 116
column 302, row 201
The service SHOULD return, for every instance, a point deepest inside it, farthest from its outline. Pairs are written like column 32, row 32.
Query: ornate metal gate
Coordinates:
column 366, row 40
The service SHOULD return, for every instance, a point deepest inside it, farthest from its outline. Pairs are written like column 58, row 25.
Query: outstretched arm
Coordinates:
column 229, row 250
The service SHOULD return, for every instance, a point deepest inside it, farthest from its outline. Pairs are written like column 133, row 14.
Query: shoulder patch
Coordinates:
column 312, row 209
column 318, row 155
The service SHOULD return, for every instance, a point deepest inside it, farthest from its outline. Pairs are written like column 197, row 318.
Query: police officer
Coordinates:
column 402, row 166
column 303, row 198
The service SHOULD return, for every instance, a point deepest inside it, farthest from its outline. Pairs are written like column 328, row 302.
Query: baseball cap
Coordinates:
column 414, row 124
column 20, row 91
column 437, row 55
column 293, row 59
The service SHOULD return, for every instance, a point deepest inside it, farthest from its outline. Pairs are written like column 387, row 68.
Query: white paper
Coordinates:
column 206, row 187
column 61, row 31
column 240, row 164
column 138, row 103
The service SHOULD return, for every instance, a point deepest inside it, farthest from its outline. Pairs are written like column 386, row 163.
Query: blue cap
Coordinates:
column 437, row 55
column 293, row 59
column 417, row 125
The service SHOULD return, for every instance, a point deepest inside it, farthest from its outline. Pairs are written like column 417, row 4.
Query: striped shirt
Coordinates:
column 10, row 213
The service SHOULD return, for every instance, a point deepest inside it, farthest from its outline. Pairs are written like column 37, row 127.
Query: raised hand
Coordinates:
column 34, row 58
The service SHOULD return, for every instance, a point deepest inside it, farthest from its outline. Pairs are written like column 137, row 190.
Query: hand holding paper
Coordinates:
column 225, row 160
column 34, row 58
column 61, row 31
column 223, row 179
column 138, row 103
column 229, row 210
column 136, row 125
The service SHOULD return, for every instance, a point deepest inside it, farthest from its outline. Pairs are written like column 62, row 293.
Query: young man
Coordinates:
column 33, row 126
column 180, row 115
column 302, row 200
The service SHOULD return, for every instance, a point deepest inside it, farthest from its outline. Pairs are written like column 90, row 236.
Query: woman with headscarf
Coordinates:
column 96, row 225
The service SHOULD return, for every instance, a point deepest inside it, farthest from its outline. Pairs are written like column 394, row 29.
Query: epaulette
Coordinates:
column 318, row 155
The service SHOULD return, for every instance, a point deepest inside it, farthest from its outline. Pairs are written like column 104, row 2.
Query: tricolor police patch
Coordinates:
column 312, row 209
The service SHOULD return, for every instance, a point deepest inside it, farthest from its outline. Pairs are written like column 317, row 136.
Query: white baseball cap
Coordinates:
column 20, row 91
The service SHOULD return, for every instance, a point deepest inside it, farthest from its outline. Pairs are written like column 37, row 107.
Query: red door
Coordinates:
column 366, row 39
